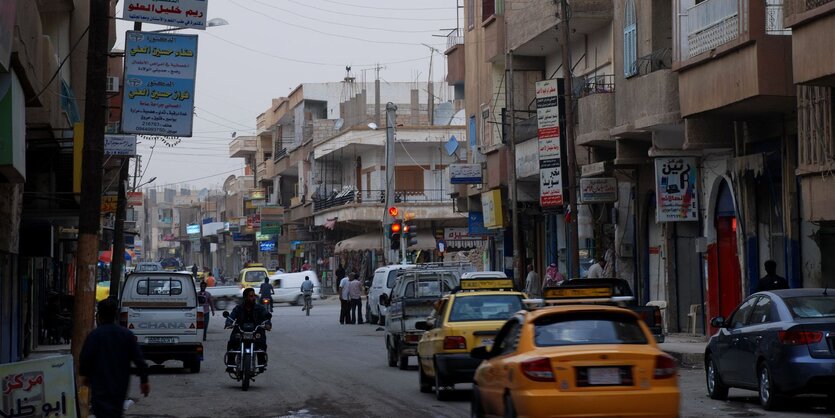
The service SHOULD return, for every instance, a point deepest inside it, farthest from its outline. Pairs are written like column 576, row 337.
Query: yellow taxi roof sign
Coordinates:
column 574, row 292
column 486, row 284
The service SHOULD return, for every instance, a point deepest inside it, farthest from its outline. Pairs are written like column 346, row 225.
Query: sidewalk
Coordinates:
column 688, row 349
column 42, row 351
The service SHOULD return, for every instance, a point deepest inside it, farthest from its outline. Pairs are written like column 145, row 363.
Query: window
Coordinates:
column 471, row 14
column 762, row 312
column 822, row 306
column 409, row 179
column 484, row 308
column 488, row 9
column 165, row 287
column 256, row 276
column 630, row 40
column 588, row 328
column 740, row 317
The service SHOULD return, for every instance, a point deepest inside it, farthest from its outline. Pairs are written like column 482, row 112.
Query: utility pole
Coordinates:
column 89, row 222
column 573, row 238
column 514, row 194
column 391, row 120
column 117, row 255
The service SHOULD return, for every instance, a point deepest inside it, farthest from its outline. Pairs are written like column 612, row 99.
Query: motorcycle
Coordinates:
column 247, row 359
column 268, row 303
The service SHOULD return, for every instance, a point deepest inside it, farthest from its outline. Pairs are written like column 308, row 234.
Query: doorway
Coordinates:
column 725, row 279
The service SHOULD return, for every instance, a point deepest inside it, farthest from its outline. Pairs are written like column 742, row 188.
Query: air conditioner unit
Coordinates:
column 112, row 85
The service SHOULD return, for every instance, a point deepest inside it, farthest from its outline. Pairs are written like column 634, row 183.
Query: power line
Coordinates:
column 58, row 70
column 388, row 8
column 221, row 117
column 415, row 19
column 336, row 35
column 199, row 178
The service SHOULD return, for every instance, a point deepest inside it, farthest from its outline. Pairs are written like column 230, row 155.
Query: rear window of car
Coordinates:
column 159, row 287
column 811, row 306
column 587, row 328
column 484, row 308
column 255, row 276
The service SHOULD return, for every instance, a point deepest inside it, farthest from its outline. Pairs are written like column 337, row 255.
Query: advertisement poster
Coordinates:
column 598, row 190
column 179, row 13
column 675, row 181
column 159, row 83
column 38, row 388
column 121, row 145
column 548, row 132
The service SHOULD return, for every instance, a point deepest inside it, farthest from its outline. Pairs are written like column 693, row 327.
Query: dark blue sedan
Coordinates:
column 779, row 343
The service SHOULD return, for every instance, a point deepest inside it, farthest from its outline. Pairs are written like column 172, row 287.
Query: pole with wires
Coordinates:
column 571, row 223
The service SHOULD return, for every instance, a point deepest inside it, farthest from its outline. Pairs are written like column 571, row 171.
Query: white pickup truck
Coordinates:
column 160, row 308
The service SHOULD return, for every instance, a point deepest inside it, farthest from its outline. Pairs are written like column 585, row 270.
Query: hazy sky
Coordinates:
column 269, row 48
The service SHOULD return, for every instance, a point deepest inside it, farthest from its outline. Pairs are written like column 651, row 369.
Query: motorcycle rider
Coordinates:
column 267, row 291
column 307, row 290
column 248, row 315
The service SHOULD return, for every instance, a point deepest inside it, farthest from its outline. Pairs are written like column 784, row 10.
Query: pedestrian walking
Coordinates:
column 533, row 284
column 553, row 277
column 104, row 363
column 596, row 269
column 204, row 298
column 355, row 292
column 771, row 281
column 344, row 300
column 194, row 271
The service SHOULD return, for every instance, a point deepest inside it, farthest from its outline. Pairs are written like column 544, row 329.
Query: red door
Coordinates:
column 724, row 278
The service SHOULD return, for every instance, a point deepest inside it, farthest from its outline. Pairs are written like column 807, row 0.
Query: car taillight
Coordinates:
column 123, row 319
column 657, row 317
column 799, row 337
column 665, row 367
column 455, row 343
column 538, row 369
column 200, row 320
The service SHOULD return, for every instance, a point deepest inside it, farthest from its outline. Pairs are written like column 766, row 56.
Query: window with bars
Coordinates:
column 488, row 9
column 630, row 40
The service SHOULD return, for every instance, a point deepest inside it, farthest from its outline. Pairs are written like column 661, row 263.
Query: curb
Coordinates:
column 688, row 360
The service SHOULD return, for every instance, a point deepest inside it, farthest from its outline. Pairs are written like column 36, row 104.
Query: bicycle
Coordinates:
column 308, row 303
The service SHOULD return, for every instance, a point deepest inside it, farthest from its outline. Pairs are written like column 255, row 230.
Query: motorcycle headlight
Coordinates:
column 258, row 336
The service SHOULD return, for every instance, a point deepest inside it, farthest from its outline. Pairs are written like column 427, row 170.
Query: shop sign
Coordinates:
column 475, row 224
column 108, row 203
column 548, row 133
column 181, row 13
column 39, row 388
column 598, row 190
column 593, row 169
column 159, row 73
column 134, row 199
column 491, row 203
column 266, row 246
column 193, row 229
column 237, row 236
column 120, row 145
column 465, row 174
column 262, row 237
column 675, row 184
column 271, row 227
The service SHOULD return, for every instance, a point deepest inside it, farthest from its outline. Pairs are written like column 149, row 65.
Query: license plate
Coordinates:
column 161, row 340
column 604, row 376
column 487, row 342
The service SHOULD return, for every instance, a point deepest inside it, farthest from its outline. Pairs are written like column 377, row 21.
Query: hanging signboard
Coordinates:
column 675, row 188
column 465, row 174
column 120, row 145
column 108, row 203
column 598, row 190
column 270, row 227
column 39, row 388
column 159, row 83
column 180, row 13
column 134, row 199
column 491, row 203
column 548, row 133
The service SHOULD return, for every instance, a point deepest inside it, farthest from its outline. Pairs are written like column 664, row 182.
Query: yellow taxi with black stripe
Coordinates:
column 463, row 320
column 573, row 357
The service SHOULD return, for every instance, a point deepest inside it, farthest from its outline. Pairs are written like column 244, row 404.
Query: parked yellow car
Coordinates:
column 575, row 360
column 462, row 321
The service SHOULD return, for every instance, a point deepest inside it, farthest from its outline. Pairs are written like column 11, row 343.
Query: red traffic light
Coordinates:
column 395, row 228
column 393, row 211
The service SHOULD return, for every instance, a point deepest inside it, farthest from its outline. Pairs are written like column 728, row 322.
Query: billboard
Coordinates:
column 179, row 13
column 675, row 181
column 548, row 133
column 465, row 174
column 159, row 83
column 598, row 190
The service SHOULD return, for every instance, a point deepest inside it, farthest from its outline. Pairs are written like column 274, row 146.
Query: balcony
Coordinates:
column 649, row 100
column 732, row 59
column 456, row 58
column 368, row 205
column 596, row 110
column 810, row 22
column 261, row 171
column 243, row 146
column 533, row 24
column 494, row 39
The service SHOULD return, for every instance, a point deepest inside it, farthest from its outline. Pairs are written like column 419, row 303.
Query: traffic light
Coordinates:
column 393, row 211
column 411, row 235
column 396, row 230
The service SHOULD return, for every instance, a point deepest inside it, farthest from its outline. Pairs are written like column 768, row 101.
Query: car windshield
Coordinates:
column 391, row 278
column 255, row 276
column 584, row 328
column 811, row 306
column 484, row 308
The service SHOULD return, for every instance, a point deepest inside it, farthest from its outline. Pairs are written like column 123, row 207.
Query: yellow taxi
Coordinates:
column 575, row 360
column 463, row 320
column 252, row 276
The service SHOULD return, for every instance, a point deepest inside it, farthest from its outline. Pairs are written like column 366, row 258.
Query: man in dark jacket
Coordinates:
column 248, row 315
column 771, row 281
column 104, row 364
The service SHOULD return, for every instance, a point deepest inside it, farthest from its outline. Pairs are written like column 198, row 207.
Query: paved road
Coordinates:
column 319, row 368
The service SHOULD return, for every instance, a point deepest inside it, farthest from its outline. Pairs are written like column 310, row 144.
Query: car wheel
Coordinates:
column 425, row 383
column 440, row 392
column 392, row 355
column 476, row 409
column 509, row 408
column 769, row 398
column 193, row 365
column 715, row 388
column 403, row 362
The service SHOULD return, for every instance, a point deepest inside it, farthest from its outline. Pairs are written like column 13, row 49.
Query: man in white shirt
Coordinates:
column 596, row 269
column 344, row 300
column 533, row 285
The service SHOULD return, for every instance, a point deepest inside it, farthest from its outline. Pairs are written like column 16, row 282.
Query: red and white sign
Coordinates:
column 134, row 199
column 548, row 124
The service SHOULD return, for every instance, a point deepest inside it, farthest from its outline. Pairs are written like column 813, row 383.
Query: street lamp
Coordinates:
column 218, row 21
column 144, row 184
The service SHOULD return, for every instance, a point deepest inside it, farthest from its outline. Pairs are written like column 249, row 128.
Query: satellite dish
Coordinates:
column 372, row 126
column 451, row 146
column 338, row 124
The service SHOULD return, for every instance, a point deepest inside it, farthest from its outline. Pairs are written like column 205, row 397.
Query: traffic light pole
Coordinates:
column 391, row 120
column 403, row 239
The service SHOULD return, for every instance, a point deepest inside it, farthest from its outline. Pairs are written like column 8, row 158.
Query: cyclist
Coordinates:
column 307, row 291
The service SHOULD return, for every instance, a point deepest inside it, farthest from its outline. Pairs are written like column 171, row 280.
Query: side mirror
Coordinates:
column 424, row 325
column 718, row 322
column 384, row 299
column 225, row 314
column 480, row 353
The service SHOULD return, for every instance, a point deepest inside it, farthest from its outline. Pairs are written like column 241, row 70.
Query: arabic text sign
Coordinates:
column 159, row 83
column 122, row 145
column 179, row 13
column 598, row 190
column 465, row 174
column 38, row 388
column 134, row 199
column 548, row 124
column 675, row 182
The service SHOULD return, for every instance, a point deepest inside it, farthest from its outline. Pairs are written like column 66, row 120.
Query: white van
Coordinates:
column 288, row 287
column 160, row 308
column 382, row 283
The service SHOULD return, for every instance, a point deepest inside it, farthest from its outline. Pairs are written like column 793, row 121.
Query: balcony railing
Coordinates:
column 774, row 18
column 596, row 84
column 710, row 24
column 455, row 37
column 660, row 59
column 378, row 197
column 280, row 153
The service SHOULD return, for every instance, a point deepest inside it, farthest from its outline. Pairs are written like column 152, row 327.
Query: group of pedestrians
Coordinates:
column 350, row 297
